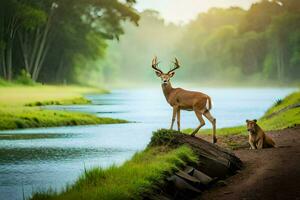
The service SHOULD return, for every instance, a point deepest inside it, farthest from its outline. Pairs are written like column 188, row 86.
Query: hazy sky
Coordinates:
column 179, row 11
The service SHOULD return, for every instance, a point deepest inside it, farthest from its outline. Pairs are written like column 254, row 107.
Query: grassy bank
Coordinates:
column 279, row 116
column 17, row 95
column 140, row 176
column 148, row 170
column 19, row 106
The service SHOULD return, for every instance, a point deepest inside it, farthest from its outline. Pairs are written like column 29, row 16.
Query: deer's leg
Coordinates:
column 178, row 119
column 201, row 120
column 213, row 122
column 173, row 117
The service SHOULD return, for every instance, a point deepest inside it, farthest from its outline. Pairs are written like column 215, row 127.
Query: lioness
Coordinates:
column 257, row 137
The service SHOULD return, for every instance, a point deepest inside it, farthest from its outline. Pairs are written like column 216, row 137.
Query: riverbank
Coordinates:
column 19, row 106
column 140, row 175
column 285, row 113
column 173, row 165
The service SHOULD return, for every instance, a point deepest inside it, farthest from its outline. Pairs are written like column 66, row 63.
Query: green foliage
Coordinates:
column 140, row 176
column 48, row 37
column 256, row 46
column 5, row 83
column 24, row 78
column 259, row 16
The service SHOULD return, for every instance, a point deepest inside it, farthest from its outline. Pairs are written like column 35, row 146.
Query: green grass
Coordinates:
column 22, row 117
column 18, row 106
column 291, row 99
column 44, row 95
column 73, row 101
column 141, row 175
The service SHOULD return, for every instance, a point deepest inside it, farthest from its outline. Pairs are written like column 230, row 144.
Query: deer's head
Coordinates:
column 165, row 77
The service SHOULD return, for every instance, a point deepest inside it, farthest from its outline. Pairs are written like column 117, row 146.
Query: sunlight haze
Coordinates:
column 179, row 11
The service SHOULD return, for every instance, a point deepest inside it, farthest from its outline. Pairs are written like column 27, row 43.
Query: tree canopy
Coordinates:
column 49, row 38
column 220, row 45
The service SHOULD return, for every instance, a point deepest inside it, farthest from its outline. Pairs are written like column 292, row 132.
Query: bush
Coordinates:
column 24, row 78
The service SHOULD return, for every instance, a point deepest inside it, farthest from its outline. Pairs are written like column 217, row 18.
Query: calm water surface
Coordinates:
column 37, row 164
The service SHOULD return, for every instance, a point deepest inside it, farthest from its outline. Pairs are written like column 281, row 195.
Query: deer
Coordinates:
column 181, row 99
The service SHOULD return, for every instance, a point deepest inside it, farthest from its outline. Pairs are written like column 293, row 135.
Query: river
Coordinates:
column 30, row 165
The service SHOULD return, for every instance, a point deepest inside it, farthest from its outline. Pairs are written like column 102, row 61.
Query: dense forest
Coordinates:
column 259, row 45
column 46, row 40
column 83, row 41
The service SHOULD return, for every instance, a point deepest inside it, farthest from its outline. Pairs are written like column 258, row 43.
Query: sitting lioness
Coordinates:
column 257, row 137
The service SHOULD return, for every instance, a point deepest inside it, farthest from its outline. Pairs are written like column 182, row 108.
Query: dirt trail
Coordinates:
column 268, row 173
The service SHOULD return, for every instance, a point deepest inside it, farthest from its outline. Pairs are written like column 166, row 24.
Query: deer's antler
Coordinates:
column 176, row 63
column 155, row 64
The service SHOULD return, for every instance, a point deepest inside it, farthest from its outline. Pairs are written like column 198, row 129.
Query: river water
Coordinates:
column 28, row 165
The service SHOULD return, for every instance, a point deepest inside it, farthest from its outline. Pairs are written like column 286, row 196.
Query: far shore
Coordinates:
column 20, row 106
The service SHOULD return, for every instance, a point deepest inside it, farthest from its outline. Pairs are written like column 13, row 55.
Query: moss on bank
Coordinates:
column 136, row 178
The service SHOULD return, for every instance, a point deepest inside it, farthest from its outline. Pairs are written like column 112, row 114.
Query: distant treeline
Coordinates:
column 68, row 40
column 259, row 44
column 50, row 39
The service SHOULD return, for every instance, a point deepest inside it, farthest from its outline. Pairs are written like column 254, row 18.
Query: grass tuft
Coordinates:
column 163, row 137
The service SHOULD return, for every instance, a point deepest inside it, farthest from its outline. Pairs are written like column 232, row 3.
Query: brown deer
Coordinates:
column 181, row 99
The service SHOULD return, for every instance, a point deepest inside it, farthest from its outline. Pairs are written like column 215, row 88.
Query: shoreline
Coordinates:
column 97, row 179
column 20, row 107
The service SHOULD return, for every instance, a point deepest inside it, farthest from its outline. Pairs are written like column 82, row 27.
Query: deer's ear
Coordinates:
column 158, row 73
column 171, row 74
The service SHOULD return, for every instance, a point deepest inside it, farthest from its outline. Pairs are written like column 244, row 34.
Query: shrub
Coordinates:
column 24, row 78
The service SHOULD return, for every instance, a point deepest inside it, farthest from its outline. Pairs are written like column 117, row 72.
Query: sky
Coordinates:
column 182, row 11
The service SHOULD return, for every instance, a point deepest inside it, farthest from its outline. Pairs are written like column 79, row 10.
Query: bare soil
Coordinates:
column 268, row 173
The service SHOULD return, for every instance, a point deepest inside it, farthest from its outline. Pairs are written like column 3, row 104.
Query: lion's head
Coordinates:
column 251, row 125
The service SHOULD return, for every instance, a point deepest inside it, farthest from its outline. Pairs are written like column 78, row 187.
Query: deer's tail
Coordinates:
column 208, row 103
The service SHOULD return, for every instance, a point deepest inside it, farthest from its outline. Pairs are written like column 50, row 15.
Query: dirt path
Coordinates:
column 268, row 173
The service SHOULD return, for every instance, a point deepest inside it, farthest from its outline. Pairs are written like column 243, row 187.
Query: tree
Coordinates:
column 64, row 24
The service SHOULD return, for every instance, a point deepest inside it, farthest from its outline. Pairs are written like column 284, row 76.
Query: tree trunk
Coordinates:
column 23, row 38
column 8, row 60
column 42, row 49
column 34, row 49
column 12, row 28
column 2, row 64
